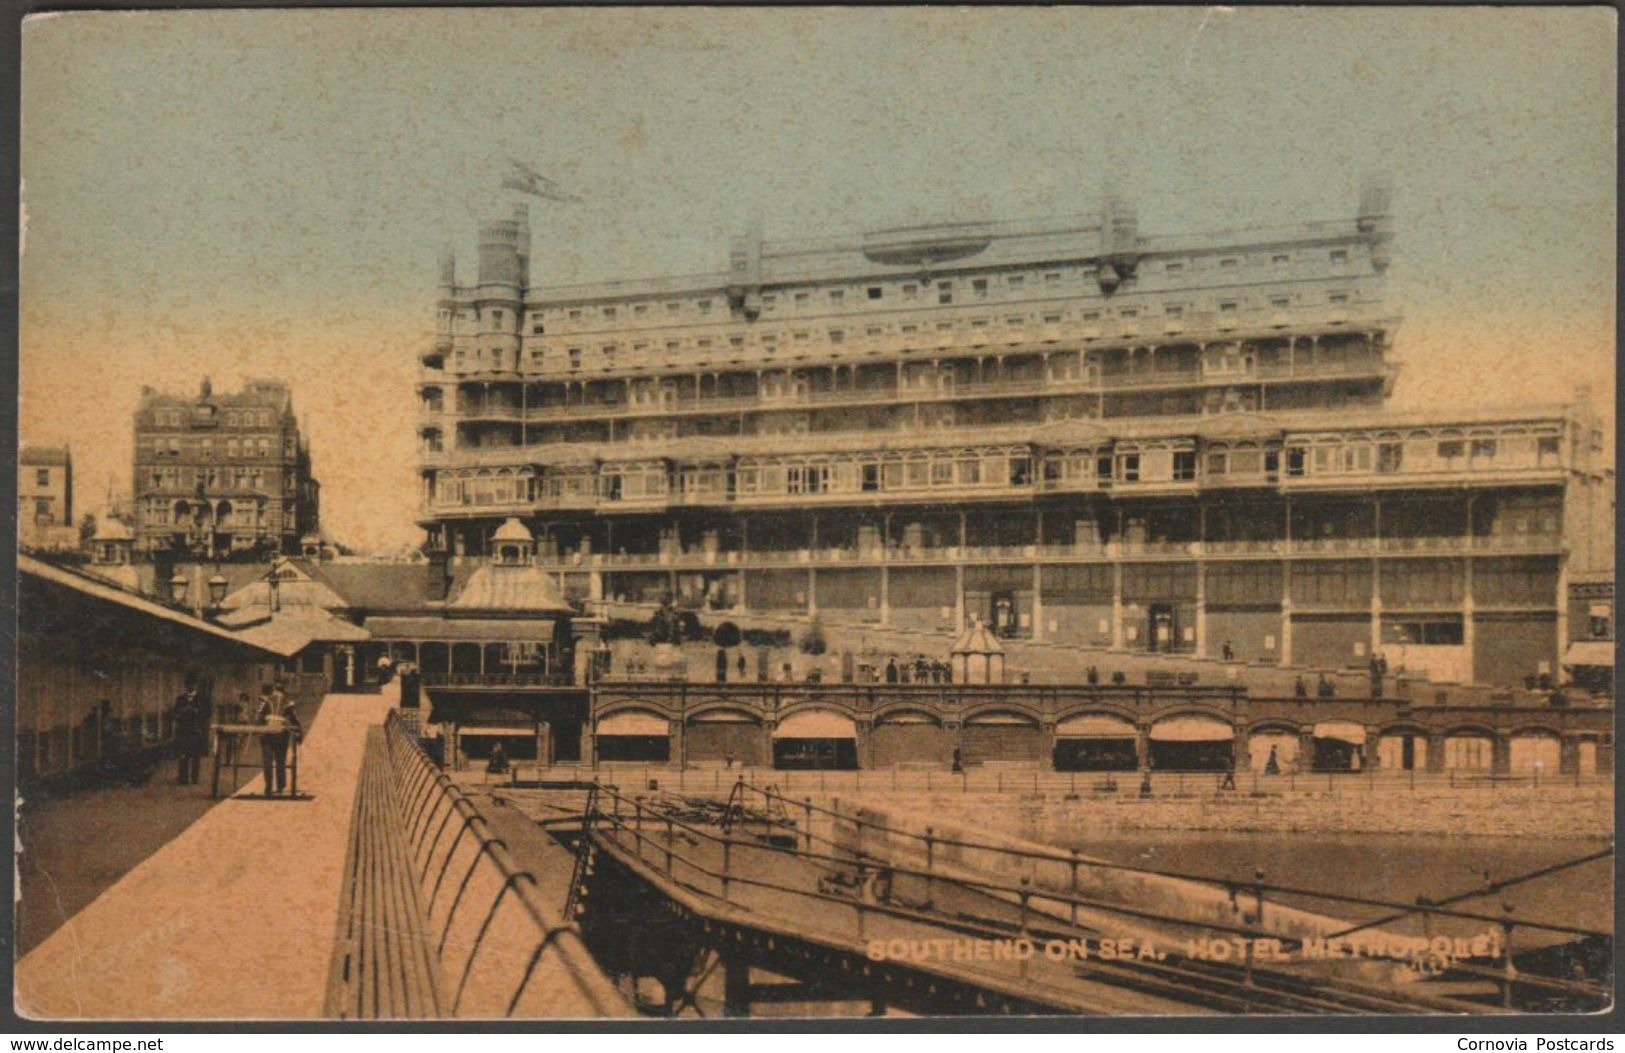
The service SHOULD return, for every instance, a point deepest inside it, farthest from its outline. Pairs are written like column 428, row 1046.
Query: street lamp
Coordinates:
column 217, row 589
column 177, row 587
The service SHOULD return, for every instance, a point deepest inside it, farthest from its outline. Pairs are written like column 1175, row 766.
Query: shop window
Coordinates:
column 1184, row 465
column 1295, row 466
column 1390, row 456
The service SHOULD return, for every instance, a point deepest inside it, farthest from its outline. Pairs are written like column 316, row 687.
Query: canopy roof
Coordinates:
column 816, row 724
column 1192, row 729
column 638, row 723
column 977, row 640
column 1590, row 652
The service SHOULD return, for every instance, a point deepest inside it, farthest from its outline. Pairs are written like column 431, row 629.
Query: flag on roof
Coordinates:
column 527, row 180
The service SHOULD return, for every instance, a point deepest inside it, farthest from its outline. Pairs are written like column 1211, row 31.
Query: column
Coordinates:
column 885, row 595
column 1501, row 754
column 1243, row 750
column 1568, row 757
column 1038, row 602
column 1046, row 746
column 959, row 597
column 1376, row 577
column 1142, row 746
column 679, row 743
column 1435, row 751
column 1306, row 750
column 1201, row 580
column 812, row 591
column 1201, row 608
column 1468, row 632
column 1117, row 606
column 1286, row 582
column 866, row 743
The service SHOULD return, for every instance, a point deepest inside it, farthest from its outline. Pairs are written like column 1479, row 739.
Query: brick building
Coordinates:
column 222, row 475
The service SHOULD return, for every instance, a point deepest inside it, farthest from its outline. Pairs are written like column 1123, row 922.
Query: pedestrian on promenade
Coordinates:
column 282, row 723
column 1324, row 688
column 1273, row 765
column 191, row 720
column 891, row 670
column 1229, row 652
column 1300, row 689
column 1093, row 676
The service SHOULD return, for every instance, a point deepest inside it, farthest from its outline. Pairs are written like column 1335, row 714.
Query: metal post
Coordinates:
column 669, row 839
column 1074, row 887
column 807, row 832
column 727, row 863
column 637, row 806
column 1508, row 971
column 930, row 867
column 1022, row 924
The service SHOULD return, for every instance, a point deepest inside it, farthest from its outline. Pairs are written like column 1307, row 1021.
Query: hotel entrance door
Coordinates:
column 1163, row 627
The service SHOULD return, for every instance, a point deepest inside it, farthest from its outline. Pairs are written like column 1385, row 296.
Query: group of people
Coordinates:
column 1324, row 688
column 921, row 670
column 194, row 725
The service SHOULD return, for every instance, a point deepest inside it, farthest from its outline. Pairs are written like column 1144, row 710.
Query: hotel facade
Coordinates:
column 1067, row 430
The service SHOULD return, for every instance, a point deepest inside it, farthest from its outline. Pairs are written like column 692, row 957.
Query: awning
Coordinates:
column 1342, row 731
column 633, row 724
column 485, row 630
column 909, row 718
column 1001, row 718
column 816, row 724
column 1095, row 726
column 1192, row 729
column 1590, row 652
column 724, row 716
column 504, row 731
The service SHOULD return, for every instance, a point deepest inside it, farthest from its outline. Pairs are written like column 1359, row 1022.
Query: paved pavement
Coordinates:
column 232, row 920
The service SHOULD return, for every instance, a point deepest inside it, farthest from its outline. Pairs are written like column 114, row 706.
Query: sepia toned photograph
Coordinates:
column 754, row 514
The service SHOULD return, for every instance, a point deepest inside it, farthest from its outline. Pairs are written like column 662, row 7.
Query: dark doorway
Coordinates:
column 1192, row 756
column 815, row 754
column 1096, row 755
column 635, row 749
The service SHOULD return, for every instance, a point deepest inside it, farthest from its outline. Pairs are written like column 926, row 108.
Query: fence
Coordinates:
column 503, row 952
column 1017, row 779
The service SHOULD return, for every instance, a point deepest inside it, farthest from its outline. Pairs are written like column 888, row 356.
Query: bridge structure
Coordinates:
column 793, row 902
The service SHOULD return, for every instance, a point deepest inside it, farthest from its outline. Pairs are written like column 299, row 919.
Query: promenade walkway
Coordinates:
column 235, row 918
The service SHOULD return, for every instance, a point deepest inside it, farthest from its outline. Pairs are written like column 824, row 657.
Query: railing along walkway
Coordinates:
column 383, row 966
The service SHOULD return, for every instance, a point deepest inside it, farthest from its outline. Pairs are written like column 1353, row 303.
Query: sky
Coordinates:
column 263, row 193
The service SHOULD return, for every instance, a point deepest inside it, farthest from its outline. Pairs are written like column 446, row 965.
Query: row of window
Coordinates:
column 940, row 292
column 188, row 479
column 208, row 447
column 1010, row 329
column 204, row 413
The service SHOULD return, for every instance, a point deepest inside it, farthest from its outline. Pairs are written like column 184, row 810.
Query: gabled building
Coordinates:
column 222, row 475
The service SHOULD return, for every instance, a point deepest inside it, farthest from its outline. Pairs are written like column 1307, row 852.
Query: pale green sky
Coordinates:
column 263, row 192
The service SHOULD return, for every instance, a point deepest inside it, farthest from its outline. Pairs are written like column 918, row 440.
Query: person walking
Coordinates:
column 191, row 721
column 1299, row 688
column 1324, row 688
column 281, row 723
column 1273, row 765
column 1229, row 652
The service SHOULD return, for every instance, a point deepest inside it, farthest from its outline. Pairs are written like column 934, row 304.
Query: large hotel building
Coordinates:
column 1068, row 430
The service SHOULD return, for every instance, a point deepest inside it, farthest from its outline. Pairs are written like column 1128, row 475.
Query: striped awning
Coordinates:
column 1095, row 726
column 484, row 630
column 1590, row 652
column 633, row 724
column 1341, row 730
column 1192, row 729
column 816, row 724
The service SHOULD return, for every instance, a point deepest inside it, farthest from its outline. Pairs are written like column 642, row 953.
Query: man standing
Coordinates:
column 281, row 722
column 191, row 718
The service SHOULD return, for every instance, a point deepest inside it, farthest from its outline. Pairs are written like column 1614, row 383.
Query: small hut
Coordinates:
column 977, row 657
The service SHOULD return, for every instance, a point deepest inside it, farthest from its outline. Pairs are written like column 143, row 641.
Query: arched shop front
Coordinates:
column 910, row 737
column 1402, row 750
column 1192, row 743
column 718, row 734
column 1536, row 751
column 1339, row 746
column 1286, row 744
column 634, row 736
column 1001, row 736
column 1096, row 742
column 816, row 738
